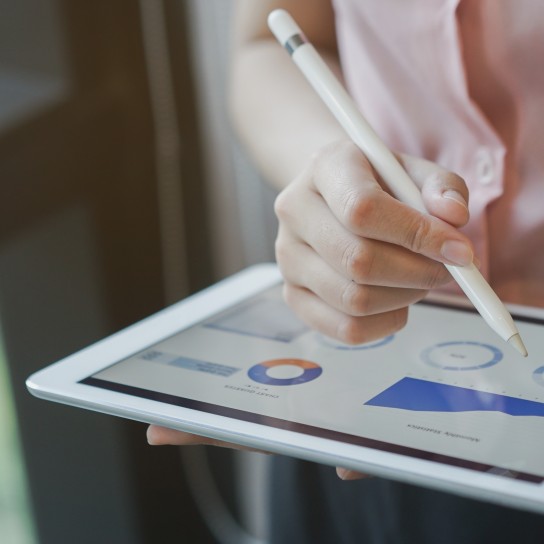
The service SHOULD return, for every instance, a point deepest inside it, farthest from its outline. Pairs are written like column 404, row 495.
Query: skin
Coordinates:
column 353, row 257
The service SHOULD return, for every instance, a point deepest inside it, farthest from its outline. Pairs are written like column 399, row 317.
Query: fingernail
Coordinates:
column 457, row 252
column 456, row 196
column 342, row 473
column 150, row 436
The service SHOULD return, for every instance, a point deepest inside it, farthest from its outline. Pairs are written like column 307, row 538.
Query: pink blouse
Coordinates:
column 461, row 82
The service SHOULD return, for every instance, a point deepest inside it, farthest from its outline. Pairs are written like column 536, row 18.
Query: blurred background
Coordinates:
column 122, row 190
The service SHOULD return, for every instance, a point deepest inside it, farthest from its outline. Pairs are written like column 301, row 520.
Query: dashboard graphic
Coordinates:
column 445, row 370
column 335, row 344
column 270, row 372
column 538, row 376
column 264, row 318
column 422, row 395
column 461, row 355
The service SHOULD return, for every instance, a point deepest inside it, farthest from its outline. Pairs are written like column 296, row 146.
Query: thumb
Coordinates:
column 444, row 193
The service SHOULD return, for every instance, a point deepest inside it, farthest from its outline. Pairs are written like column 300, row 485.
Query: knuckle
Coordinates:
column 357, row 208
column 350, row 330
column 355, row 300
column 281, row 249
column 436, row 276
column 358, row 262
column 361, row 302
column 281, row 205
column 418, row 233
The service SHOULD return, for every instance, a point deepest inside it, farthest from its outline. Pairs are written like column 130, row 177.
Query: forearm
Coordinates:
column 278, row 117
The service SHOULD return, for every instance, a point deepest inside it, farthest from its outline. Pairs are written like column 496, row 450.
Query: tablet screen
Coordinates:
column 445, row 388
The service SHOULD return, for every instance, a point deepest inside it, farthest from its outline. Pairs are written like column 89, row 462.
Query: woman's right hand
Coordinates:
column 352, row 256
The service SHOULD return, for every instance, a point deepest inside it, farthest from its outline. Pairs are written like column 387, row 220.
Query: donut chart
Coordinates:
column 461, row 355
column 538, row 376
column 335, row 344
column 264, row 372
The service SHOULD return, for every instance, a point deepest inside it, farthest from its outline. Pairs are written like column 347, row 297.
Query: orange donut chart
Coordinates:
column 259, row 372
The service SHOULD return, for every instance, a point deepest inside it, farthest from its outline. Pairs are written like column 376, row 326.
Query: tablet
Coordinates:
column 444, row 403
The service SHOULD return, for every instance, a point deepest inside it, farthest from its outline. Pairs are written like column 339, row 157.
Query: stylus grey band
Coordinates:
column 294, row 42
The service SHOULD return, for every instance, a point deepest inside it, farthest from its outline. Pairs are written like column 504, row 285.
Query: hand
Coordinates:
column 162, row 436
column 352, row 256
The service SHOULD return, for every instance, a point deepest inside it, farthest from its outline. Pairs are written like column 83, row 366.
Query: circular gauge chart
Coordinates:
column 285, row 372
column 538, row 376
column 461, row 355
column 336, row 344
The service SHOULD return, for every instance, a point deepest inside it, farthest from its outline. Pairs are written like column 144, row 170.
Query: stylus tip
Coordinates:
column 516, row 342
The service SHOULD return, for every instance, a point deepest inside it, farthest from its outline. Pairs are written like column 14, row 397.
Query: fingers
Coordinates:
column 379, row 216
column 354, row 257
column 348, row 185
column 302, row 266
column 445, row 194
column 346, row 328
column 162, row 436
column 347, row 474
column 363, row 260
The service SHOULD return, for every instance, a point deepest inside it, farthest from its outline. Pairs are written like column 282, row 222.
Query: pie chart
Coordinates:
column 284, row 372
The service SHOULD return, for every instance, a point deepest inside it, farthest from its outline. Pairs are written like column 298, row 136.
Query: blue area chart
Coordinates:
column 422, row 395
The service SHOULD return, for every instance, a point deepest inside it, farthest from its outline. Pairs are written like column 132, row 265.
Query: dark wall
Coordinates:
column 80, row 258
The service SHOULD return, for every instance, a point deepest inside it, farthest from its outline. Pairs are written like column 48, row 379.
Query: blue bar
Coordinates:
column 189, row 363
column 426, row 396
column 204, row 366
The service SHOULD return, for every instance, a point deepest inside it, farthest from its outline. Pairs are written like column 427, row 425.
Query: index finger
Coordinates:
column 163, row 436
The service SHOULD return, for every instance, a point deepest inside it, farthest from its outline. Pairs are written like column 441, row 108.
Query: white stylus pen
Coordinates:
column 348, row 115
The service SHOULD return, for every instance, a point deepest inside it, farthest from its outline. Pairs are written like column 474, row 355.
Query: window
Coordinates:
column 15, row 516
